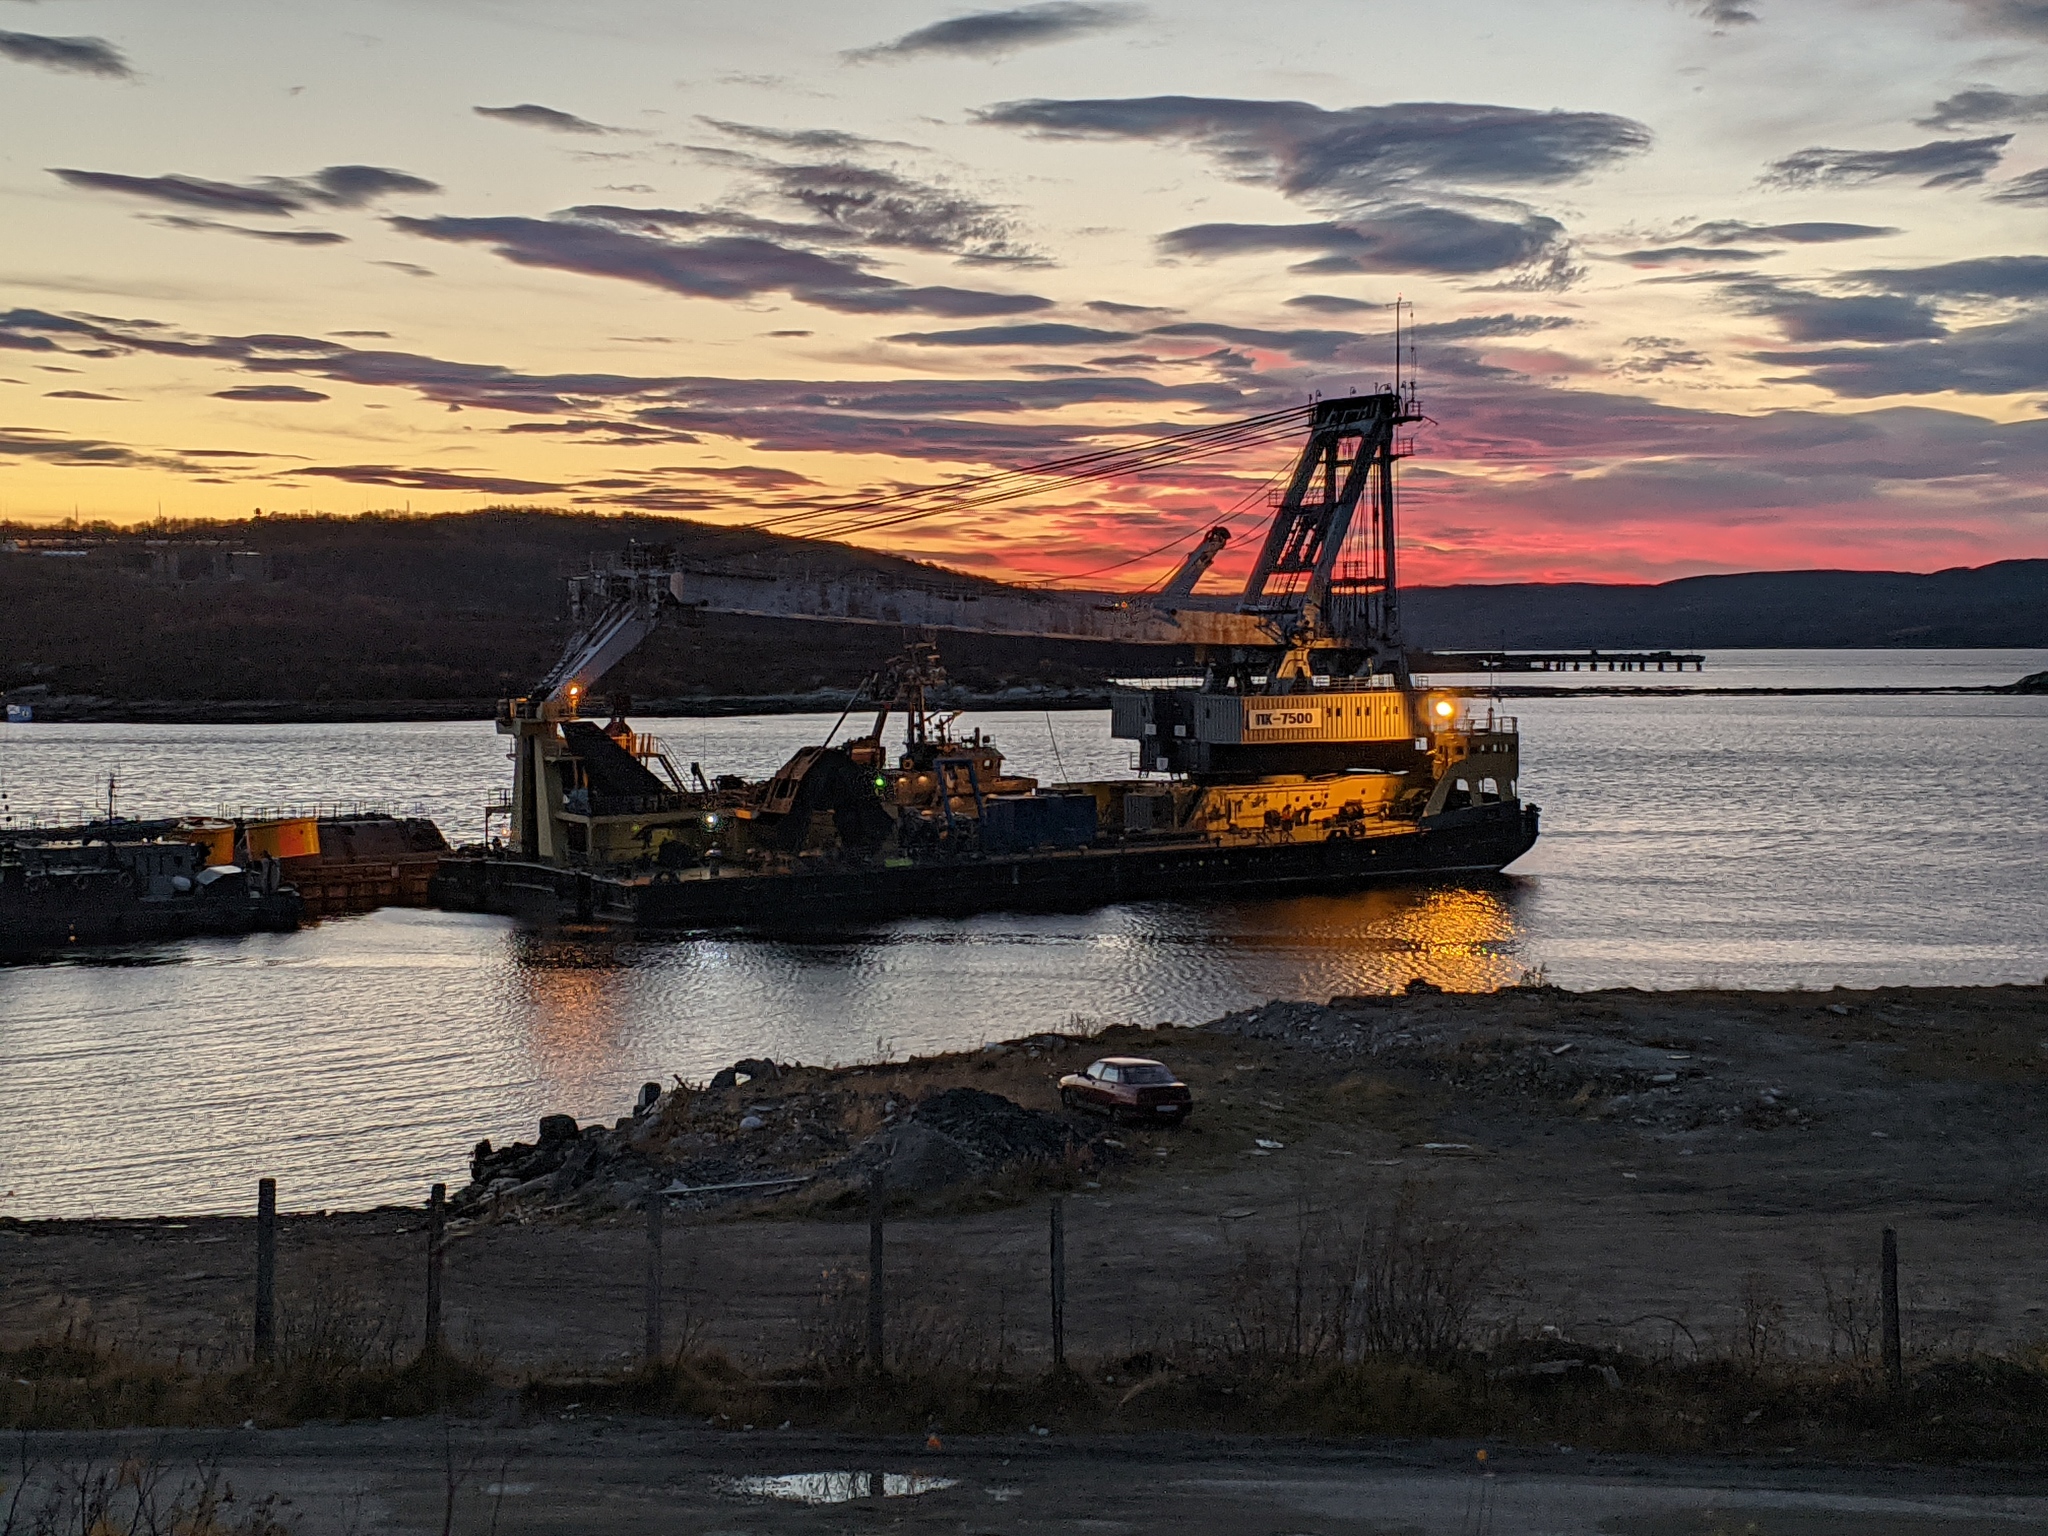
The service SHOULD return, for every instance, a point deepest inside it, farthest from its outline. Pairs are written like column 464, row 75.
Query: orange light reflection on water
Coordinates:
column 566, row 995
column 1462, row 939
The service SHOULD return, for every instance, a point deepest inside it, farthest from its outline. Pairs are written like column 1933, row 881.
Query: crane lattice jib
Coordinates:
column 1310, row 555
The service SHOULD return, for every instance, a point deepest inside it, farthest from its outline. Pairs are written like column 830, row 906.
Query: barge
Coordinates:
column 1307, row 758
column 822, row 895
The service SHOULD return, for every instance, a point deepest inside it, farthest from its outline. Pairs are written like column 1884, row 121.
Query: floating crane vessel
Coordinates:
column 1307, row 757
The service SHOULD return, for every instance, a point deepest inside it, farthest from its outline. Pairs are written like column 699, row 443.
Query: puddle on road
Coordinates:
column 836, row 1487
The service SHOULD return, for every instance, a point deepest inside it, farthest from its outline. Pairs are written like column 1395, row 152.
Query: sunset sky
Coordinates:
column 1697, row 287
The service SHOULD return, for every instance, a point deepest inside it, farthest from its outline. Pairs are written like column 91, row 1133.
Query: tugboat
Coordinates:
column 1309, row 757
column 120, row 881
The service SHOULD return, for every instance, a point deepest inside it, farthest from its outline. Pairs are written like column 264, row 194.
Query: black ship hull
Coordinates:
column 1477, row 841
column 35, row 926
column 120, row 881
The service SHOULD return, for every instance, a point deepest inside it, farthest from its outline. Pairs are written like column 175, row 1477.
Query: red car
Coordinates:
column 1129, row 1088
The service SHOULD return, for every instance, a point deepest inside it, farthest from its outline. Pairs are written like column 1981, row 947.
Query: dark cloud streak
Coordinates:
column 1939, row 163
column 1473, row 326
column 2030, row 188
column 811, row 140
column 278, row 394
column 428, row 479
column 1970, row 109
column 1739, row 232
column 71, row 55
column 1406, row 238
column 1978, row 277
column 276, row 236
column 2006, row 358
column 185, row 191
column 335, row 186
column 717, row 267
column 1723, row 13
column 878, row 207
column 2012, row 18
column 989, row 34
column 532, row 115
column 1046, row 334
column 1349, row 154
column 1328, row 304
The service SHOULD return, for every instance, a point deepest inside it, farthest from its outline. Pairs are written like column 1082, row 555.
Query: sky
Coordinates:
column 1697, row 285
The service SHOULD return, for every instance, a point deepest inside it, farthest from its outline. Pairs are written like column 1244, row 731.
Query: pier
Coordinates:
column 1558, row 661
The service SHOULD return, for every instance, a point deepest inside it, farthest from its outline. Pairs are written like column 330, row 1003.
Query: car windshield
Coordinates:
column 1147, row 1074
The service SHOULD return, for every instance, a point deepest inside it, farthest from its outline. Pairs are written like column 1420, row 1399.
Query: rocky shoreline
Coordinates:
column 761, row 1130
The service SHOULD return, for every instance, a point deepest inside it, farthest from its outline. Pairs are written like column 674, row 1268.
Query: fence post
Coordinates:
column 1894, row 1357
column 655, row 1201
column 1059, row 1282
column 437, row 1218
column 266, row 1270
column 878, row 1199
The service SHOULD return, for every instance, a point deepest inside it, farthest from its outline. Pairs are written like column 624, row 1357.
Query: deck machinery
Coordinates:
column 1307, row 756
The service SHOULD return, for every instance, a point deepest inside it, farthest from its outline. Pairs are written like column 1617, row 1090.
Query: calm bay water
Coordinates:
column 1773, row 842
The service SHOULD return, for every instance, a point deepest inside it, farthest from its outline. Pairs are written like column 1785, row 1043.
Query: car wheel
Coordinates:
column 1066, row 1098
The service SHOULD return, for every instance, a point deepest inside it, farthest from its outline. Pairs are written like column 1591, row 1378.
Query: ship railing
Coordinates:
column 1321, row 684
column 317, row 810
column 648, row 748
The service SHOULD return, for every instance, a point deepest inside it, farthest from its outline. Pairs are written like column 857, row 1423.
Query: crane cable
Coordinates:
column 1237, row 511
column 891, row 518
column 1095, row 459
column 889, row 510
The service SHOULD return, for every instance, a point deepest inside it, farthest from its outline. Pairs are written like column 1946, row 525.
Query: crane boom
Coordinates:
column 869, row 598
column 622, row 607
column 1323, row 583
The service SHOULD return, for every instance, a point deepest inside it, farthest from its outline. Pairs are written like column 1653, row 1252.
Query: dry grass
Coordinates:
column 1379, row 1318
column 132, row 1496
column 1966, row 1410
column 1248, row 1367
column 72, row 1381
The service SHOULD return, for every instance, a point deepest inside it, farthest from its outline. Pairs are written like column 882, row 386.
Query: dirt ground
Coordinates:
column 625, row 1477
column 1652, row 1165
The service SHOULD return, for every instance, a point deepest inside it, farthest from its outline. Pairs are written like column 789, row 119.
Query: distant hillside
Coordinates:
column 390, row 614
column 1992, row 605
column 458, row 611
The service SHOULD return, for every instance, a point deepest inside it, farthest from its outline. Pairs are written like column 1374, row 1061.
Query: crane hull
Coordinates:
column 835, row 894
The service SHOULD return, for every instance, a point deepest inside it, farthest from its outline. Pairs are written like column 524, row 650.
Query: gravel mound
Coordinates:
column 997, row 1130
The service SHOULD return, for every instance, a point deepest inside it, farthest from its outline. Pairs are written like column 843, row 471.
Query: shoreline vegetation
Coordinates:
column 87, row 709
column 394, row 616
column 1625, row 1221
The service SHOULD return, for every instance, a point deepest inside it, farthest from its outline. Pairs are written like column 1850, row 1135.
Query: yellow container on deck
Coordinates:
column 297, row 837
column 216, row 837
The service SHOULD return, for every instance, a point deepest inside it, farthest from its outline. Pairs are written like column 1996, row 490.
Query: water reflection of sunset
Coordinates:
column 564, row 1001
column 1460, row 938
